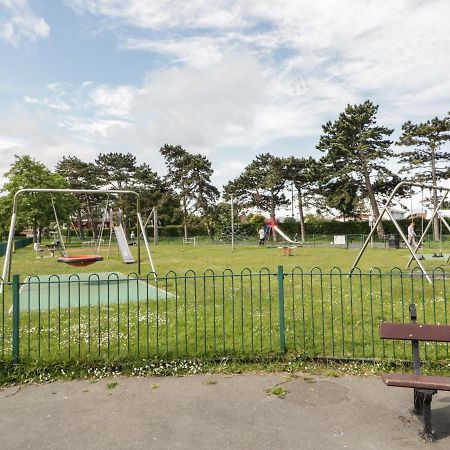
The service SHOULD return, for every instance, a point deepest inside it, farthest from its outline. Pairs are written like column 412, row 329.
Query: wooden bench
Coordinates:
column 424, row 386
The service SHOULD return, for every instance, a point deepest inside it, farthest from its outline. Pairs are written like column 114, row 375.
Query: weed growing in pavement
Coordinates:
column 277, row 390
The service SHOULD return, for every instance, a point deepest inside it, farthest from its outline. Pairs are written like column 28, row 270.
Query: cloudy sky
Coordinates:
column 229, row 79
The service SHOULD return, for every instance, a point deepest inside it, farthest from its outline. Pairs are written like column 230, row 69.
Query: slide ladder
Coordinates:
column 123, row 245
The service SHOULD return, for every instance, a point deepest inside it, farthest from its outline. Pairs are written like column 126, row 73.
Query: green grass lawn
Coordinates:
column 239, row 312
column 179, row 258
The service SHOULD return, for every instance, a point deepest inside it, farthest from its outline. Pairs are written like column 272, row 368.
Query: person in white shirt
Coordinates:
column 412, row 235
column 262, row 235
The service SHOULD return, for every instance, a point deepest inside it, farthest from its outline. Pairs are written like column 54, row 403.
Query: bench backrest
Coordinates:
column 415, row 332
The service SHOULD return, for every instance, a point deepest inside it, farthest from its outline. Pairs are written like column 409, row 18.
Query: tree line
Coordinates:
column 351, row 176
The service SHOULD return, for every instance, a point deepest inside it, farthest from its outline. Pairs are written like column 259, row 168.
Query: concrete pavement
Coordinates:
column 216, row 411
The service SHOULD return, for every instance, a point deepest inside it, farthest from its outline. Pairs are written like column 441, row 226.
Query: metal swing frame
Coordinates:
column 385, row 210
column 430, row 223
column 140, row 225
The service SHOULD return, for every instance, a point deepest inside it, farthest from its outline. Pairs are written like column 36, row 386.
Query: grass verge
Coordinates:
column 43, row 372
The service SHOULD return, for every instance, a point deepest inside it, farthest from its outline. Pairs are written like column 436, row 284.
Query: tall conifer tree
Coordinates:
column 356, row 147
column 426, row 161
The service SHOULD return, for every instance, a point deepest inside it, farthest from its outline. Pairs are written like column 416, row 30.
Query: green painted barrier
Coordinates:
column 216, row 314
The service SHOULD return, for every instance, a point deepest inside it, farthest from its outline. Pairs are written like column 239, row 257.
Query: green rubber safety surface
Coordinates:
column 45, row 292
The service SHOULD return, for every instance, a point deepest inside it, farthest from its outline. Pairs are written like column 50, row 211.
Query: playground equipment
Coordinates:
column 271, row 226
column 80, row 260
column 188, row 240
column 153, row 213
column 385, row 210
column 284, row 236
column 123, row 245
column 431, row 223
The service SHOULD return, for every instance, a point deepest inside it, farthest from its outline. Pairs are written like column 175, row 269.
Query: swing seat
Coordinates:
column 80, row 260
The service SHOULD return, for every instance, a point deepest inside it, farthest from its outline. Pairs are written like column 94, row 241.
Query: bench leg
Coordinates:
column 418, row 402
column 422, row 406
column 427, row 430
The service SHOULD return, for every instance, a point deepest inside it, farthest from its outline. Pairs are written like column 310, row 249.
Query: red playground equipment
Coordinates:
column 269, row 226
column 80, row 260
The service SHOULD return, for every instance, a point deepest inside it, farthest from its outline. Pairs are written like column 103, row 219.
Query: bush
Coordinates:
column 291, row 227
column 333, row 227
column 178, row 230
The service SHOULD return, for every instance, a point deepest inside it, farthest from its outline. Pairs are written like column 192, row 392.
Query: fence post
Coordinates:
column 281, row 309
column 15, row 318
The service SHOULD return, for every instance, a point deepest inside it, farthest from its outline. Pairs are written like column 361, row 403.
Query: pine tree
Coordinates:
column 357, row 148
column 261, row 185
column 304, row 175
column 424, row 160
column 190, row 175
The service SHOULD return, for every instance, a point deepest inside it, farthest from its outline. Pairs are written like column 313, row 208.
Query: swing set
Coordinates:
column 412, row 248
column 75, row 260
column 432, row 224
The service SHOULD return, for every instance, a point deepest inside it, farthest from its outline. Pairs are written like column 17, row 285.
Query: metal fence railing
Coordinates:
column 309, row 313
column 18, row 243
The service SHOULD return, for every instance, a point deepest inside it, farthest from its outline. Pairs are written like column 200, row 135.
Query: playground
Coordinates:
column 224, row 224
column 114, row 250
column 132, row 296
column 206, row 299
column 209, row 299
column 172, row 255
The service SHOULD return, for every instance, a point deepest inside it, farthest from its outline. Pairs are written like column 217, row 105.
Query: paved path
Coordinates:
column 216, row 411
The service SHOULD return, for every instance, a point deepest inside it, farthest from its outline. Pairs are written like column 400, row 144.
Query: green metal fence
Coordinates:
column 18, row 243
column 312, row 314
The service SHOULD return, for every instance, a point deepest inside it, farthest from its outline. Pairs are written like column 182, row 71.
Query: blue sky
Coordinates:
column 229, row 79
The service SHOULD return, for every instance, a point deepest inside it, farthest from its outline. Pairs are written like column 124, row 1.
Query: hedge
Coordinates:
column 325, row 227
column 333, row 227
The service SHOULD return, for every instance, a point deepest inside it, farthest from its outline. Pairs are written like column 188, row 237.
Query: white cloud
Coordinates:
column 224, row 168
column 58, row 105
column 21, row 25
column 200, row 51
column 8, row 148
column 244, row 74
column 114, row 101
column 340, row 51
column 161, row 14
column 89, row 129
column 202, row 109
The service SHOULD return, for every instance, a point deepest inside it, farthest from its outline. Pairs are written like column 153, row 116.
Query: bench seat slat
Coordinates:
column 415, row 331
column 417, row 381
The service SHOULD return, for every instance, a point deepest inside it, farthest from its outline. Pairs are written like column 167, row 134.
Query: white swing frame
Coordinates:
column 429, row 224
column 140, row 225
column 385, row 210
